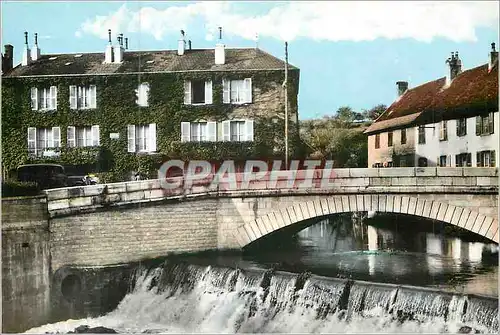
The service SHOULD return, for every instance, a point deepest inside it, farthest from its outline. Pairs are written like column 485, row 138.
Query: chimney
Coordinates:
column 26, row 52
column 118, row 50
column 189, row 45
column 108, row 55
column 126, row 43
column 493, row 57
column 8, row 58
column 182, row 44
column 402, row 87
column 35, row 52
column 220, row 50
column 455, row 65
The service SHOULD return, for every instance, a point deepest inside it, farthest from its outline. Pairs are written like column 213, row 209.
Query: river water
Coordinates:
column 337, row 276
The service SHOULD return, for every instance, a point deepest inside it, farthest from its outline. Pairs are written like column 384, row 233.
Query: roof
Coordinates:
column 468, row 94
column 150, row 61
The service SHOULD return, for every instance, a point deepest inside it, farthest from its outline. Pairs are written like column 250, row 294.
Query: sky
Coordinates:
column 349, row 53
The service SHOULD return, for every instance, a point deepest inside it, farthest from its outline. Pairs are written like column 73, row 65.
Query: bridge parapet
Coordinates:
column 64, row 201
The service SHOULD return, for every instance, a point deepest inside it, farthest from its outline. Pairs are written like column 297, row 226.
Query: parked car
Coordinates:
column 45, row 175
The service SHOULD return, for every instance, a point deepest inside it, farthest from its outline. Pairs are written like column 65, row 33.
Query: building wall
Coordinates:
column 470, row 143
column 384, row 153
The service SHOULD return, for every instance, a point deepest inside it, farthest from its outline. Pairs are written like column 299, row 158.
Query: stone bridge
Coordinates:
column 125, row 222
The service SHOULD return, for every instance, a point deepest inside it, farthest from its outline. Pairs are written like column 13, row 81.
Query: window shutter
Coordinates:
column 479, row 162
column 131, row 137
column 187, row 92
column 249, row 130
column 185, row 131
column 492, row 155
column 95, row 135
column 146, row 96
column 71, row 140
column 92, row 96
column 212, row 131
column 469, row 159
column 34, row 98
column 152, row 138
column 491, row 124
column 53, row 97
column 56, row 137
column 478, row 125
column 208, row 92
column 445, row 130
column 72, row 97
column 32, row 138
column 226, row 131
column 248, row 89
column 226, row 89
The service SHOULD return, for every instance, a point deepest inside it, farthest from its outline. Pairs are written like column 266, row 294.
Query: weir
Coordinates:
column 181, row 297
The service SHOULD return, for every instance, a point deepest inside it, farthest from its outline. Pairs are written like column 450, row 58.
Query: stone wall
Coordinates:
column 25, row 264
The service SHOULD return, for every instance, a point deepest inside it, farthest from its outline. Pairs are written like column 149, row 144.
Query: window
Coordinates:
column 484, row 125
column 377, row 141
column 462, row 127
column 199, row 131
column 41, row 139
column 82, row 97
column 389, row 139
column 421, row 134
column 237, row 91
column 422, row 162
column 237, row 130
column 442, row 161
column 485, row 158
column 463, row 160
column 141, row 138
column 402, row 161
column 403, row 136
column 142, row 93
column 197, row 92
column 44, row 98
column 443, row 130
column 83, row 136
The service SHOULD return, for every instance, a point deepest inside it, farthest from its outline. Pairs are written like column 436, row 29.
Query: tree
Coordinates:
column 375, row 112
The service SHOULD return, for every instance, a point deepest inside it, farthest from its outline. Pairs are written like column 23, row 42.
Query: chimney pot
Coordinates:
column 35, row 52
column 8, row 58
column 455, row 65
column 109, row 36
column 26, row 37
column 126, row 43
column 402, row 87
column 26, row 59
column 220, row 33
column 189, row 44
column 36, row 38
column 493, row 47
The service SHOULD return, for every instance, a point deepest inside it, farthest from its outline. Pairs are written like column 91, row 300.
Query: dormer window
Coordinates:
column 44, row 98
column 142, row 93
column 82, row 97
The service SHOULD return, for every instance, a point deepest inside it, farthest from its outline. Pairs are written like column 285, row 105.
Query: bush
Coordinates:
column 12, row 188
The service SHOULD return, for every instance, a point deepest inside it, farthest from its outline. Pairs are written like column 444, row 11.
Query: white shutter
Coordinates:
column 53, row 97
column 208, row 92
column 34, row 98
column 152, row 138
column 187, row 92
column 56, row 137
column 71, row 140
column 249, row 130
column 43, row 100
column 95, row 134
column 226, row 131
column 226, row 91
column 72, row 97
column 212, row 131
column 131, row 137
column 92, row 96
column 145, row 95
column 32, row 138
column 185, row 131
column 248, row 89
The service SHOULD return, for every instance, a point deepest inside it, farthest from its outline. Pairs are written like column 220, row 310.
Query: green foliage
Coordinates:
column 13, row 188
column 116, row 107
column 375, row 112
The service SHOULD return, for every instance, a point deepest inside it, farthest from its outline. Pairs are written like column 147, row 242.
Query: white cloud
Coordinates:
column 331, row 21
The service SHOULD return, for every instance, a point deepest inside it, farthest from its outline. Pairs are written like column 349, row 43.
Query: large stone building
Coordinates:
column 451, row 121
column 121, row 110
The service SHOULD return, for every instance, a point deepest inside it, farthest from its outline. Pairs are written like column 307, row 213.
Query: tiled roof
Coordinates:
column 467, row 94
column 140, row 61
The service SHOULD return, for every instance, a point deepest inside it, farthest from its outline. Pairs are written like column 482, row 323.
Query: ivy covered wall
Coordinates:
column 116, row 107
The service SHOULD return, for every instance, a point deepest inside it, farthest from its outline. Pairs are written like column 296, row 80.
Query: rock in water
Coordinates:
column 84, row 329
column 467, row 330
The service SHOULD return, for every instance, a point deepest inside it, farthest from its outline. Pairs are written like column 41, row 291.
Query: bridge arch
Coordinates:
column 264, row 225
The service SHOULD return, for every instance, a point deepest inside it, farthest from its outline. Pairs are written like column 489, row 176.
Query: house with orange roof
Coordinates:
column 451, row 121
